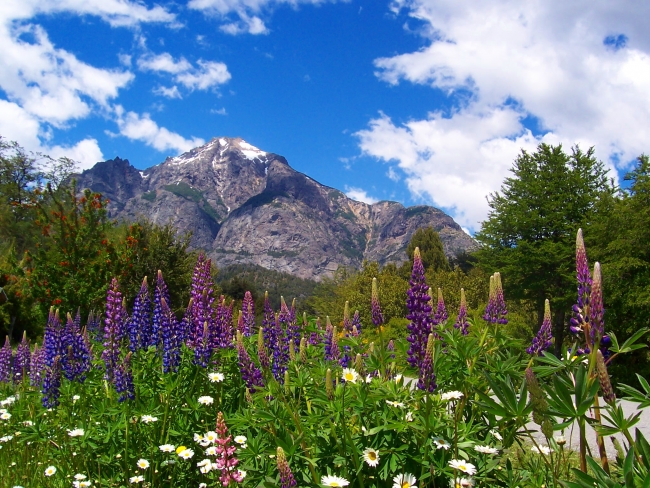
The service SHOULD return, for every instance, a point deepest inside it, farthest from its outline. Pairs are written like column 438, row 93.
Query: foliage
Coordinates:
column 431, row 250
column 529, row 232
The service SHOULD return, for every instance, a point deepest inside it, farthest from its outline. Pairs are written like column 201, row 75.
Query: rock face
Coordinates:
column 244, row 205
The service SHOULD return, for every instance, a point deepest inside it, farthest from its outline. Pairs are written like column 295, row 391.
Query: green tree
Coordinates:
column 529, row 235
column 431, row 250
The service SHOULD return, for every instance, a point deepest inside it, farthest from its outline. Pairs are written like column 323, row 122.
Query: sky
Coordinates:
column 417, row 101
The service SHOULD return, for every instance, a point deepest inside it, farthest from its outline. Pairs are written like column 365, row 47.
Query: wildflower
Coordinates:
column 216, row 377
column 28, row 423
column 205, row 466
column 560, row 440
column 211, row 436
column 22, row 359
column 451, row 395
column 206, row 400
column 250, row 373
column 350, row 375
column 242, row 474
column 147, row 419
column 461, row 483
column 5, row 416
column 420, row 325
column 80, row 477
column 248, row 314
column 180, row 449
column 286, row 476
column 334, row 481
column 486, row 449
column 441, row 312
column 226, row 460
column 542, row 340
column 136, row 479
column 406, row 480
column 81, row 484
column 167, row 448
column 185, row 453
column 75, row 398
column 409, row 417
column 50, row 470
column 241, row 440
column 211, row 451
column 142, row 463
column 371, row 456
column 541, row 450
column 427, row 378
column 463, row 466
column 441, row 443
column 377, row 317
column 395, row 404
column 6, row 438
column 461, row 320
column 76, row 432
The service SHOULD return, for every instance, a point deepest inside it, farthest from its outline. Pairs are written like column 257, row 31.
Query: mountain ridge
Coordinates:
column 245, row 205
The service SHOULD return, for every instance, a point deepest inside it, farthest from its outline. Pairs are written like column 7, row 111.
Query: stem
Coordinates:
column 344, row 426
column 583, row 445
column 426, row 431
column 599, row 438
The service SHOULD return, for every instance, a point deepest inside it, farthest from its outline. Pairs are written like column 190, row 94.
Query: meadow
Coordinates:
column 135, row 396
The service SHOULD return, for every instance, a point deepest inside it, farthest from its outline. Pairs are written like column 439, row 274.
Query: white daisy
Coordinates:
column 205, row 400
column 463, row 466
column 334, row 481
column 81, row 484
column 441, row 443
column 75, row 398
column 240, row 439
column 205, row 466
column 216, row 377
column 350, row 375
column 451, row 395
column 560, row 440
column 542, row 449
column 5, row 415
column 406, row 480
column 147, row 419
column 186, row 453
column 167, row 448
column 371, row 456
column 398, row 378
column 80, row 477
column 76, row 432
column 461, row 483
column 50, row 470
column 395, row 404
column 142, row 463
column 211, row 451
column 211, row 437
column 496, row 435
column 136, row 479
column 486, row 449
column 242, row 474
column 409, row 417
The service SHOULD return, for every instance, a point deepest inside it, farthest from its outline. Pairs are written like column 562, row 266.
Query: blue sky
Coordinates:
column 419, row 101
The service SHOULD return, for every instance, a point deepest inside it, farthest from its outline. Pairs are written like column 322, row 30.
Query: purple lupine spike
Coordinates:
column 171, row 339
column 203, row 298
column 187, row 324
column 543, row 340
column 441, row 311
column 124, row 380
column 491, row 305
column 6, row 360
column 293, row 328
column 262, row 355
column 140, row 326
column 335, row 352
column 461, row 321
column 356, row 323
column 582, row 269
column 114, row 329
column 250, row 373
column 327, row 339
column 268, row 324
column 286, row 476
column 22, row 360
column 501, row 310
column 419, row 314
column 93, row 326
column 67, row 360
column 377, row 316
column 203, row 347
column 427, row 378
column 37, row 367
column 77, row 359
column 77, row 319
column 596, row 310
column 281, row 351
column 53, row 338
column 222, row 335
column 240, row 322
column 52, row 384
column 160, row 292
column 248, row 311
column 316, row 337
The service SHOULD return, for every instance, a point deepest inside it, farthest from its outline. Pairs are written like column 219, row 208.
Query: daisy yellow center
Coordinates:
column 372, row 456
column 349, row 377
column 406, row 484
column 334, row 483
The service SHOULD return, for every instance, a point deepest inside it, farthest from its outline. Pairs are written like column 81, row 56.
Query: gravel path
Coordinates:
column 573, row 437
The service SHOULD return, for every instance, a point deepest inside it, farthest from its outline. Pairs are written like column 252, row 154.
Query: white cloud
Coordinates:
column 85, row 152
column 582, row 69
column 142, row 128
column 246, row 12
column 208, row 74
column 392, row 174
column 221, row 111
column 359, row 195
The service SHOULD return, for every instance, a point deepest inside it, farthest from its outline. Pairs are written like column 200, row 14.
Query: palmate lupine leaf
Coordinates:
column 629, row 345
column 643, row 399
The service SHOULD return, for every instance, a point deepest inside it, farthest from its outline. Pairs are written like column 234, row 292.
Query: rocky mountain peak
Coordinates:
column 246, row 205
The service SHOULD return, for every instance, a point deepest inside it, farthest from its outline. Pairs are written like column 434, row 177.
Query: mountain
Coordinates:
column 245, row 205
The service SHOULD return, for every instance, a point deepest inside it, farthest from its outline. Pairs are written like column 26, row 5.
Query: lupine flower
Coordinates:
column 496, row 311
column 6, row 360
column 441, row 311
column 37, row 366
column 262, row 355
column 251, row 375
column 123, row 380
column 22, row 360
column 603, row 378
column 419, row 313
column 268, row 324
column 286, row 476
column 582, row 269
column 303, row 350
column 292, row 328
column 543, row 339
column 427, row 379
column 222, row 336
column 329, row 385
column 171, row 338
column 377, row 317
column 356, row 323
column 461, row 321
column 77, row 362
column 314, row 337
column 248, row 314
column 226, row 461
column 52, row 384
column 332, row 352
column 53, row 338
column 596, row 310
column 160, row 292
column 114, row 329
column 281, row 351
column 140, row 323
